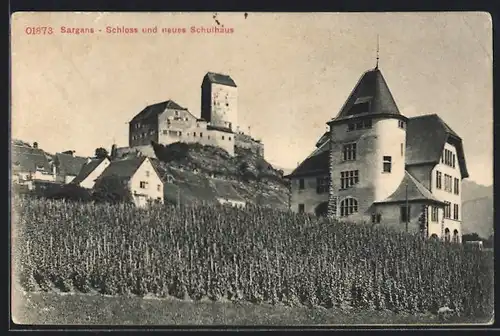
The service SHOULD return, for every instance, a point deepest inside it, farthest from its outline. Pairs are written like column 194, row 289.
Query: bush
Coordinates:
column 112, row 189
column 71, row 192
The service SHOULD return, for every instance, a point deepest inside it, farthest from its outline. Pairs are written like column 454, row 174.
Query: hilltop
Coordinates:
column 206, row 172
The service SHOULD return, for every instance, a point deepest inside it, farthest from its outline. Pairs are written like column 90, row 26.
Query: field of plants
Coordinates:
column 255, row 254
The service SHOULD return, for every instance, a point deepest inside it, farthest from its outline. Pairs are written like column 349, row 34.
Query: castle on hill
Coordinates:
column 168, row 122
column 376, row 165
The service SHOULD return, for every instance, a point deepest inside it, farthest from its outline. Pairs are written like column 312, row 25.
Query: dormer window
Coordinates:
column 361, row 105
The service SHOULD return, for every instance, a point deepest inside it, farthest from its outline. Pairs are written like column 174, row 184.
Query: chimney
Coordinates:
column 35, row 144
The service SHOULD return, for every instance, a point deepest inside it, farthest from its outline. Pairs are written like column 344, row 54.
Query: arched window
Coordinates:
column 434, row 237
column 348, row 206
column 447, row 235
column 455, row 236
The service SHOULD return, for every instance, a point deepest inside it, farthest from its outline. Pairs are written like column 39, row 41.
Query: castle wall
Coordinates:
column 449, row 195
column 384, row 138
column 308, row 197
column 247, row 142
column 143, row 132
column 224, row 105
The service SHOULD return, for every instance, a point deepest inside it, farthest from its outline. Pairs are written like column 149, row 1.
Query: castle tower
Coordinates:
column 367, row 153
column 219, row 100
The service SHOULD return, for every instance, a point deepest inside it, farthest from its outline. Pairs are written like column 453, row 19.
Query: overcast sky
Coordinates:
column 293, row 70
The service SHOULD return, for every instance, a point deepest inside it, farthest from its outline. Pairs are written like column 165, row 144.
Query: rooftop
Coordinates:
column 217, row 78
column 370, row 96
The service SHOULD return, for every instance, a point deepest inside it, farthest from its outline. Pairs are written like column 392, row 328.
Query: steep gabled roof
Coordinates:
column 416, row 192
column 69, row 164
column 325, row 137
column 123, row 169
column 155, row 109
column 425, row 139
column 371, row 88
column 27, row 159
column 317, row 163
column 86, row 170
column 217, row 78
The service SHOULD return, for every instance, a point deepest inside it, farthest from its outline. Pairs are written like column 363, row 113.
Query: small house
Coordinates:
column 90, row 171
column 139, row 176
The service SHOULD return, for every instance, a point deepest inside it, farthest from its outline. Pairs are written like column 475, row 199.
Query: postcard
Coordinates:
column 251, row 169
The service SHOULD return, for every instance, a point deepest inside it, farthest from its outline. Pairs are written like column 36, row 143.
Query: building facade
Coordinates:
column 384, row 168
column 167, row 122
column 139, row 176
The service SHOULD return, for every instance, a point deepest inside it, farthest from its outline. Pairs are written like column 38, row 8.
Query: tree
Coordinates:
column 112, row 189
column 71, row 192
column 471, row 237
column 101, row 153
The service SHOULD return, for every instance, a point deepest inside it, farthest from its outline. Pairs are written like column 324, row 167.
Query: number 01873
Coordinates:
column 39, row 30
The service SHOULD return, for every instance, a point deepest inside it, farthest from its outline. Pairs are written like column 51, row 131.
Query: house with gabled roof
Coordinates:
column 67, row 166
column 139, row 175
column 376, row 165
column 90, row 171
column 30, row 164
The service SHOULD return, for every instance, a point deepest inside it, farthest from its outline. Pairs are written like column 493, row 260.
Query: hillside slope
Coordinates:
column 204, row 173
column 477, row 211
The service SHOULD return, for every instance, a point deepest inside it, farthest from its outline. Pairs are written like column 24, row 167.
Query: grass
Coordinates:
column 95, row 309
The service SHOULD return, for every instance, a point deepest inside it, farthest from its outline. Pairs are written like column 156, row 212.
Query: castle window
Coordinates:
column 208, row 137
column 158, row 187
column 194, row 134
column 229, row 139
column 455, row 236
column 301, row 184
column 222, row 137
column 448, row 158
column 447, row 210
column 401, row 124
column 376, row 218
column 201, row 135
column 402, row 149
column 447, row 235
column 348, row 206
column 348, row 178
column 147, row 173
column 349, row 151
column 434, row 213
column 456, row 186
column 301, row 208
column 180, row 133
column 438, row 179
column 405, row 213
column 455, row 211
column 447, row 183
column 322, row 184
column 165, row 132
column 387, row 162
column 227, row 104
column 176, row 113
